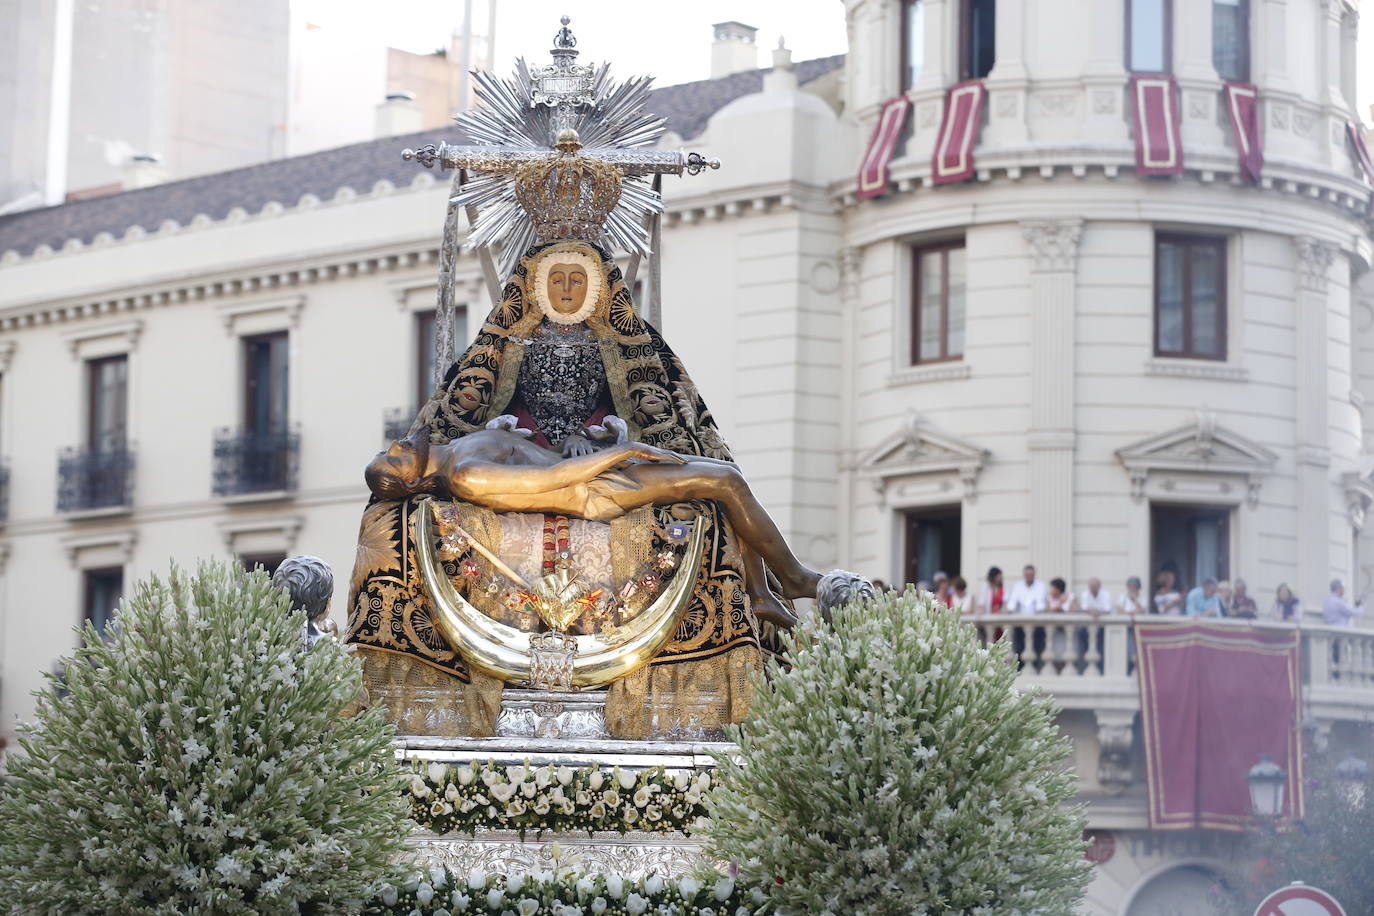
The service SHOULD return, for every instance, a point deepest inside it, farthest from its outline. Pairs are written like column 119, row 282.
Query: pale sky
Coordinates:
column 670, row 40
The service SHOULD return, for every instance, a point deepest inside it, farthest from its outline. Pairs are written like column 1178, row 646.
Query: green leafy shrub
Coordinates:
column 895, row 768
column 197, row 763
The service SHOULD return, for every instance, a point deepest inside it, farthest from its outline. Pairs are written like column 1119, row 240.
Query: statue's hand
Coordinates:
column 612, row 428
column 511, row 424
column 576, row 445
column 646, row 452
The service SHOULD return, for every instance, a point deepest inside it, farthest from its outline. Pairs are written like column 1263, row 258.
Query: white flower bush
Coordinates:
column 438, row 892
column 894, row 768
column 465, row 798
column 197, row 763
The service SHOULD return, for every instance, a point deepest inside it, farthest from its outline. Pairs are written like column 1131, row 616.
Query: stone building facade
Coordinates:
column 1057, row 361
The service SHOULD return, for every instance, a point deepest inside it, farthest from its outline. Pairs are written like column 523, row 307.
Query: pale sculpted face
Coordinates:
column 567, row 288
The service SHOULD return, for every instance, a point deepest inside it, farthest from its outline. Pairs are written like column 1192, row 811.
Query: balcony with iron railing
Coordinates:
column 260, row 464
column 94, row 480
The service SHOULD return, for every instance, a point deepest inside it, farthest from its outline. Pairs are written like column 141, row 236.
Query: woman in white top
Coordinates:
column 1133, row 602
column 1168, row 600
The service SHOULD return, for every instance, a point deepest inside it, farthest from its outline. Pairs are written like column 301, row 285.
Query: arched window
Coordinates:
column 1231, row 39
column 1149, row 42
column 913, row 41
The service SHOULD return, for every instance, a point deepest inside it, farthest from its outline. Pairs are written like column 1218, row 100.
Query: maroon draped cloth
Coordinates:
column 1213, row 698
column 1158, row 138
column 881, row 147
column 1242, row 105
column 953, row 157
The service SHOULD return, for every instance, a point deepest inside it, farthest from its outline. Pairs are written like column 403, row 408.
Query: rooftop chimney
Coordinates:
column 143, row 170
column 399, row 114
column 734, row 49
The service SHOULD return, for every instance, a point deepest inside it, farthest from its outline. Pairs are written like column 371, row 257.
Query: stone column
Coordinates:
column 1008, row 80
column 1313, row 267
column 1198, row 82
column 1054, row 254
column 1104, row 76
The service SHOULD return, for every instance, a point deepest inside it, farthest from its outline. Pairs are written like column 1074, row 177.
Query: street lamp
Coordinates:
column 1267, row 780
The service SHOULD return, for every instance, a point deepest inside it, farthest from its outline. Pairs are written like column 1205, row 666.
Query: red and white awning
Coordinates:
column 1158, row 143
column 873, row 167
column 953, row 159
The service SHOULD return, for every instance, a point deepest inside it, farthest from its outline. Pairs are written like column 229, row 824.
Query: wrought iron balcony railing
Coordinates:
column 94, row 479
column 396, row 422
column 256, row 462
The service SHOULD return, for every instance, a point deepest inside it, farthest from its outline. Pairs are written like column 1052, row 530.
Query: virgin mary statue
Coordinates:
column 565, row 359
column 607, row 361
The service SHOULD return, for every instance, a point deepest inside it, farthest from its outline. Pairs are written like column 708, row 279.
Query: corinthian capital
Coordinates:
column 1314, row 262
column 1053, row 243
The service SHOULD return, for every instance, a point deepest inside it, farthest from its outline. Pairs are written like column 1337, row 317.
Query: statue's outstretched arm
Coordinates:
column 471, row 479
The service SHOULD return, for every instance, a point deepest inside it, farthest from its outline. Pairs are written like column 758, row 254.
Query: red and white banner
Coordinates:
column 1158, row 143
column 1242, row 104
column 873, row 166
column 953, row 159
column 1213, row 699
column 1352, row 130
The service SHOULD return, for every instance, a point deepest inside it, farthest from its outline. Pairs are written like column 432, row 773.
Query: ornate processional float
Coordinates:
column 561, row 563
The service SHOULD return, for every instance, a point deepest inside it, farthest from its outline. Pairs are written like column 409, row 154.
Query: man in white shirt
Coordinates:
column 1096, row 599
column 1028, row 596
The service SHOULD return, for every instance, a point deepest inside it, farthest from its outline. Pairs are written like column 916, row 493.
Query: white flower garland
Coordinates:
column 467, row 798
column 438, row 892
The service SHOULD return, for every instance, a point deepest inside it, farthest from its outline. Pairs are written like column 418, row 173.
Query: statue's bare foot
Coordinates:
column 768, row 608
column 802, row 584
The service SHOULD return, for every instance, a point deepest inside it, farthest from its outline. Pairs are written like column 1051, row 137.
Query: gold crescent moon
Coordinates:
column 503, row 651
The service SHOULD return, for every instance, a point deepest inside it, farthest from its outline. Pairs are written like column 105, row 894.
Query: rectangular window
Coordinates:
column 1231, row 39
column 101, row 591
column 1190, row 296
column 931, row 543
column 265, row 374
column 977, row 38
column 268, row 561
column 1149, row 44
column 107, row 404
column 424, row 356
column 913, row 42
column 937, row 315
column 1192, row 542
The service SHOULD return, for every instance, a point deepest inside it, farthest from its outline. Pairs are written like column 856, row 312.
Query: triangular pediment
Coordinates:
column 916, row 448
column 1201, row 446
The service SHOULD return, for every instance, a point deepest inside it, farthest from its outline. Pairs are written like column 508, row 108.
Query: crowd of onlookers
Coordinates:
column 1030, row 594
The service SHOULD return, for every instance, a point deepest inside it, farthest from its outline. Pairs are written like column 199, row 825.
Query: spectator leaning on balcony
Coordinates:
column 1335, row 612
column 1167, row 597
column 1132, row 602
column 1028, row 595
column 994, row 597
column 1224, row 593
column 1287, row 606
column 1242, row 605
column 959, row 598
column 1204, row 601
column 1095, row 599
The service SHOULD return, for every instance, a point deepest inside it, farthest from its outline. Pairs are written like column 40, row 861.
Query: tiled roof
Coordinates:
column 687, row 107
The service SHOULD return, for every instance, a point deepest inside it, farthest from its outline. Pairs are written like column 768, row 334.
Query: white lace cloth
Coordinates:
column 522, row 548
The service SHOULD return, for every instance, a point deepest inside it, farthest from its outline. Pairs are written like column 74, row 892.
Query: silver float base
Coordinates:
column 632, row 855
column 551, row 714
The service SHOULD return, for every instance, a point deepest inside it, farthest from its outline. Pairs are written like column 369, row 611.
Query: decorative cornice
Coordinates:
column 122, row 542
column 1314, row 262
column 1203, row 369
column 282, row 276
column 1053, row 243
column 201, row 221
column 940, row 372
column 130, row 331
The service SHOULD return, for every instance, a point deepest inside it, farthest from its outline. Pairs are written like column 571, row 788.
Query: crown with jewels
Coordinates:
column 568, row 196
column 560, row 152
